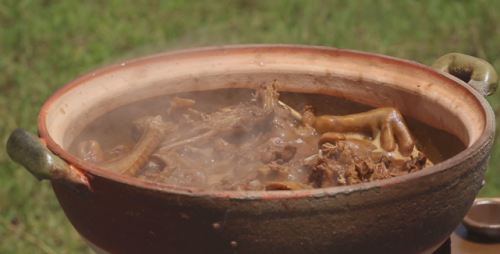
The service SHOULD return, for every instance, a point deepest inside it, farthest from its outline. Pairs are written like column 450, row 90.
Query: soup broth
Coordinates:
column 254, row 154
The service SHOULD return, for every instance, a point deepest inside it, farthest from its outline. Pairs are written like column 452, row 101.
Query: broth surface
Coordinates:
column 263, row 158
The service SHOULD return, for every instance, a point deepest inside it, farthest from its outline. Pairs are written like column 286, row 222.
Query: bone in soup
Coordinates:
column 259, row 143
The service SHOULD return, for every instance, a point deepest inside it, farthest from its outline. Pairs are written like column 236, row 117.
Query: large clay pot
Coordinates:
column 413, row 213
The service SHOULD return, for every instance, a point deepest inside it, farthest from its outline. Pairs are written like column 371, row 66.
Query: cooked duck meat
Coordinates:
column 276, row 150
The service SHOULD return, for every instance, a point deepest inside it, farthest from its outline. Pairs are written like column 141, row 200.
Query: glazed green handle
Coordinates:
column 28, row 150
column 474, row 71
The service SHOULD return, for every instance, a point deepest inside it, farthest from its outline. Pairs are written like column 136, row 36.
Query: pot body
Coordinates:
column 409, row 214
column 407, row 217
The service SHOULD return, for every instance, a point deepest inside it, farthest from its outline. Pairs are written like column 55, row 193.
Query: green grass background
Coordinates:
column 46, row 44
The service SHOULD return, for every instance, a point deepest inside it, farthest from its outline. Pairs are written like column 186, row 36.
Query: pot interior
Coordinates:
column 114, row 128
column 441, row 111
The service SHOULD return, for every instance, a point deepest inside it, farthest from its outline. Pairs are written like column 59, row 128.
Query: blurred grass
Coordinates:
column 45, row 44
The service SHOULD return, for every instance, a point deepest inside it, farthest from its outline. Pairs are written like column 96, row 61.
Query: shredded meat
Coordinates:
column 260, row 145
column 276, row 150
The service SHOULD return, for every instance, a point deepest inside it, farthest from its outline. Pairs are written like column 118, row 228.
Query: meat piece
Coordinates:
column 132, row 162
column 181, row 111
column 367, row 170
column 237, row 119
column 140, row 125
column 181, row 103
column 338, row 151
column 332, row 150
column 381, row 172
column 324, row 173
column 360, row 172
column 415, row 164
column 276, row 150
column 273, row 172
column 351, row 150
column 267, row 97
column 287, row 186
column 388, row 121
column 331, row 137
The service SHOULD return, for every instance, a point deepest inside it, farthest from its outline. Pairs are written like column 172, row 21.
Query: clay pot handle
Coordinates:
column 476, row 72
column 28, row 150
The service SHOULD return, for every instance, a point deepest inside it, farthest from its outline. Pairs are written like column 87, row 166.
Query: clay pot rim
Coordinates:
column 91, row 170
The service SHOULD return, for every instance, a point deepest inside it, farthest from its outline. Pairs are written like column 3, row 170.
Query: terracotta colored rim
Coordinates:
column 91, row 170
